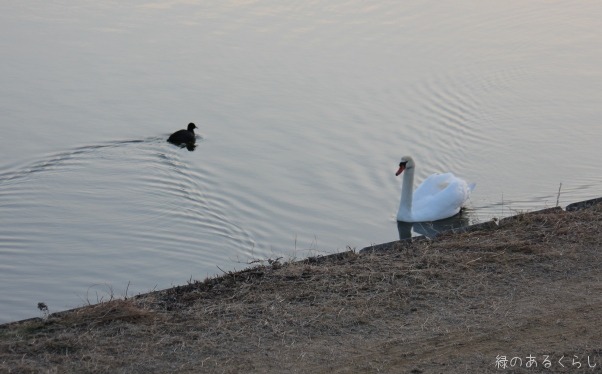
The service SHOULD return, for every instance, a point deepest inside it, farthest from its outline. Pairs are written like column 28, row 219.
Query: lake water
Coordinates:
column 304, row 109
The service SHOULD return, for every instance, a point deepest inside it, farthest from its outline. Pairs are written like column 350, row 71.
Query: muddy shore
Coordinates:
column 525, row 291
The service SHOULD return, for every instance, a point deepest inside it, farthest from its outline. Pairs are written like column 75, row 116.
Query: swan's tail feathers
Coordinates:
column 471, row 187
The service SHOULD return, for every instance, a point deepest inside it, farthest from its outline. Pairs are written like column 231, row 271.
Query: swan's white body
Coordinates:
column 439, row 196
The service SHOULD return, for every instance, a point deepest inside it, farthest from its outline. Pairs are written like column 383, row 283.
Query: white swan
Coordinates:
column 439, row 196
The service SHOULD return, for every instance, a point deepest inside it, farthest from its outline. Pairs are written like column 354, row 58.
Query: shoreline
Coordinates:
column 393, row 245
column 409, row 305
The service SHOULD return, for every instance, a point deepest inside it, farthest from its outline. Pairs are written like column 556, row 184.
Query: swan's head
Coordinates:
column 406, row 163
column 191, row 126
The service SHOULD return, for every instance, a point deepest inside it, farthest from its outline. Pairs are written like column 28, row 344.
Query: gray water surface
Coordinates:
column 304, row 112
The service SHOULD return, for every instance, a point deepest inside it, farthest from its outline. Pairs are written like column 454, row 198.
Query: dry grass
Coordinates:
column 531, row 286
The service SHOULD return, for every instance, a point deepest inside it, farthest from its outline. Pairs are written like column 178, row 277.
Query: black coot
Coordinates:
column 183, row 136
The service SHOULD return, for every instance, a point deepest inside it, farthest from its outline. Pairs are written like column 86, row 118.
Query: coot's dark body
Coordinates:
column 183, row 136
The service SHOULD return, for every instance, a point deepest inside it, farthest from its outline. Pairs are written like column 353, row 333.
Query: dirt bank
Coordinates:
column 530, row 290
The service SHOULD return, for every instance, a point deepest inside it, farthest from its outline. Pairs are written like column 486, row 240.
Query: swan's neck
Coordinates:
column 407, row 192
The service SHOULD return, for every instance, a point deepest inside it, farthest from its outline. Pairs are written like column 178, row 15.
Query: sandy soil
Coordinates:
column 474, row 302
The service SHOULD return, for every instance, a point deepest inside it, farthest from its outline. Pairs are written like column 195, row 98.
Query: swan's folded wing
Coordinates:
column 433, row 185
column 439, row 196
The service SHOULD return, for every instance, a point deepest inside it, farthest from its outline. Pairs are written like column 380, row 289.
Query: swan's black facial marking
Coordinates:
column 402, row 167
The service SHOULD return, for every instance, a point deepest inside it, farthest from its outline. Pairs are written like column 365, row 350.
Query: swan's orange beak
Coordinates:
column 401, row 169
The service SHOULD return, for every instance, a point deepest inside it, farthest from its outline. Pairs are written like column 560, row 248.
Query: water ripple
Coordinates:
column 139, row 205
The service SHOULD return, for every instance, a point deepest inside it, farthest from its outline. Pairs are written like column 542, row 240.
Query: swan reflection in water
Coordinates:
column 432, row 229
